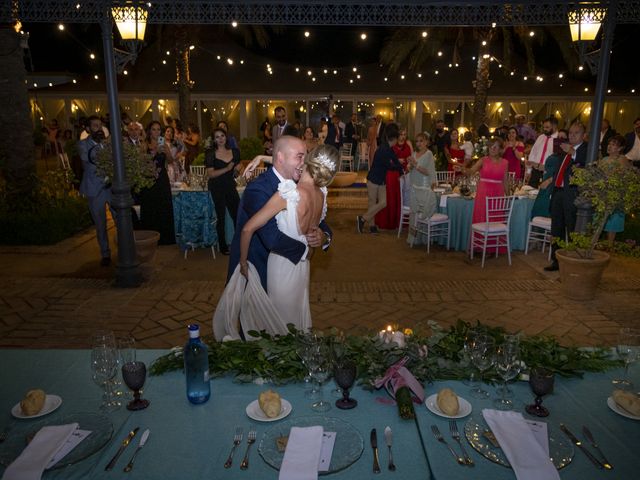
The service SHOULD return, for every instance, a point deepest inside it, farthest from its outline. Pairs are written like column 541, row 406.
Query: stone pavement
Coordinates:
column 55, row 297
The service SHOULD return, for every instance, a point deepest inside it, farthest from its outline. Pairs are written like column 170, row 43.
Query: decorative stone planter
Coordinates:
column 146, row 244
column 580, row 276
column 344, row 179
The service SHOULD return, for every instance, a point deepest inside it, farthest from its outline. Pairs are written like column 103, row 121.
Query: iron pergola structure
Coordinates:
column 435, row 13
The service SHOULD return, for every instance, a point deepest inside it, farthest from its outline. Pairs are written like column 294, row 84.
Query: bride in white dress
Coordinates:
column 298, row 208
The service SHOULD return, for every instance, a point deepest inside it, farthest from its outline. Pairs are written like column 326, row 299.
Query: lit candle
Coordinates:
column 398, row 338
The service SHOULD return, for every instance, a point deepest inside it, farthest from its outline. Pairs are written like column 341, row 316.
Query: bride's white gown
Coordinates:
column 288, row 299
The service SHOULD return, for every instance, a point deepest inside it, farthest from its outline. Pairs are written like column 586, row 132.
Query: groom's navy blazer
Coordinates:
column 268, row 238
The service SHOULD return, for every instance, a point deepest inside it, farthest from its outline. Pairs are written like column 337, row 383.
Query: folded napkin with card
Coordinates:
column 524, row 443
column 309, row 451
column 36, row 456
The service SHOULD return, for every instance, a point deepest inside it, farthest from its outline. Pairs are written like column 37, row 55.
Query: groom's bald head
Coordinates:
column 288, row 157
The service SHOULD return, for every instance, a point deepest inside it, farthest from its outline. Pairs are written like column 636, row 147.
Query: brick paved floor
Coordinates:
column 54, row 297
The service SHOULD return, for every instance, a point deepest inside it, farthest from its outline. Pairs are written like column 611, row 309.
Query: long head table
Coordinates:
column 194, row 441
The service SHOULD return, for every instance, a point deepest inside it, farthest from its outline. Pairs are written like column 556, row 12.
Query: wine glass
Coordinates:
column 307, row 342
column 469, row 339
column 541, row 382
column 345, row 376
column 320, row 366
column 628, row 349
column 103, row 368
column 507, row 366
column 482, row 356
column 504, row 389
column 126, row 353
column 134, row 374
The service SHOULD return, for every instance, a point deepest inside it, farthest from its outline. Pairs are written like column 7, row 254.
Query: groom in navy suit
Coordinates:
column 288, row 163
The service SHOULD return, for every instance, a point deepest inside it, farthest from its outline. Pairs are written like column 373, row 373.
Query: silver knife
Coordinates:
column 578, row 444
column 388, row 437
column 143, row 440
column 589, row 436
column 123, row 445
column 374, row 445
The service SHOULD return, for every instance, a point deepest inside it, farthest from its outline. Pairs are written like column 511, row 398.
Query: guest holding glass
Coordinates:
column 454, row 153
column 221, row 160
column 403, row 149
column 422, row 179
column 175, row 170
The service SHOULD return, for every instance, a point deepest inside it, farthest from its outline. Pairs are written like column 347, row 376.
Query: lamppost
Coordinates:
column 584, row 24
column 127, row 270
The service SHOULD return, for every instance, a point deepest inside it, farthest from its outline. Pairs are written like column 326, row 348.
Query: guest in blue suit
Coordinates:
column 288, row 161
column 95, row 188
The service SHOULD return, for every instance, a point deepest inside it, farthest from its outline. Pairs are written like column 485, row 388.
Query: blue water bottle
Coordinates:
column 196, row 367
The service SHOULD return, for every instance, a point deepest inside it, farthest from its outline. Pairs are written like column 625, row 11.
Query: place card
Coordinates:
column 72, row 442
column 328, row 441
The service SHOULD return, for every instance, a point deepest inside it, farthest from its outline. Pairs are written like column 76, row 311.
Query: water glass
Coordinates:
column 508, row 366
column 320, row 366
column 628, row 349
column 103, row 369
column 483, row 357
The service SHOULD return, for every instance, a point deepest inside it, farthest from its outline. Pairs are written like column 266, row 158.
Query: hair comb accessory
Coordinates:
column 325, row 161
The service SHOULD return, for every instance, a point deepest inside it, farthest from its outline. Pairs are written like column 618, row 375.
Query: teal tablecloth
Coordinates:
column 460, row 211
column 190, row 441
column 194, row 217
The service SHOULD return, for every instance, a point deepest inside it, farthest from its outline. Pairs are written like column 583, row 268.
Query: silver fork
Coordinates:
column 455, row 434
column 251, row 438
column 237, row 439
column 440, row 438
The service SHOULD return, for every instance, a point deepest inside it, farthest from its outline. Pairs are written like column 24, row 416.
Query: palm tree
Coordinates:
column 408, row 47
column 17, row 149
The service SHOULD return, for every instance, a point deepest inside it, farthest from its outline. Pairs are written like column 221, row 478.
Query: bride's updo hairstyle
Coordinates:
column 322, row 164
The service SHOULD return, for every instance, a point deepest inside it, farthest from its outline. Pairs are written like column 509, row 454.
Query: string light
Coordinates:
column 424, row 34
column 439, row 54
column 234, row 24
column 363, row 36
column 580, row 68
column 92, row 56
column 191, row 47
column 531, row 33
column 307, row 34
column 60, row 27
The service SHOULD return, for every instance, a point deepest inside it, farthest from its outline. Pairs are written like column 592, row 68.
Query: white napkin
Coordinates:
column 34, row 458
column 302, row 455
column 443, row 199
column 525, row 454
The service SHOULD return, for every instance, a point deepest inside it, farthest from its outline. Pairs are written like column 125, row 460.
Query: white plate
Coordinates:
column 619, row 410
column 51, row 403
column 432, row 405
column 255, row 412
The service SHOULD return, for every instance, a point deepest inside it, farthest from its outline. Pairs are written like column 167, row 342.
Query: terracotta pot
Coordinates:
column 580, row 276
column 146, row 244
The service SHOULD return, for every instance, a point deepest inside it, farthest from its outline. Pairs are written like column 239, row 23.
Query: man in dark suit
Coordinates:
column 288, row 162
column 281, row 124
column 563, row 210
column 334, row 133
column 606, row 132
column 96, row 188
column 351, row 133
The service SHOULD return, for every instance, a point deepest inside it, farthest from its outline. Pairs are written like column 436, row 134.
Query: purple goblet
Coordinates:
column 134, row 375
column 345, row 376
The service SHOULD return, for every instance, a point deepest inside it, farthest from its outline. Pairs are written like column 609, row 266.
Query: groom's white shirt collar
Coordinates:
column 280, row 177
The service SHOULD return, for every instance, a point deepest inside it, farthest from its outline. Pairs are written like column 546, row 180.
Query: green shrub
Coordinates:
column 51, row 213
column 250, row 147
column 199, row 160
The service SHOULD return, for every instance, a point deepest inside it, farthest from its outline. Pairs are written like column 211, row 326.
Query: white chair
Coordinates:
column 405, row 210
column 345, row 157
column 363, row 154
column 539, row 230
column 445, row 177
column 64, row 161
column 256, row 173
column 512, row 176
column 494, row 232
column 197, row 170
column 437, row 225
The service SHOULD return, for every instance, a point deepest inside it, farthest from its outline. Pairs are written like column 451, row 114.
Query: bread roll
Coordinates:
column 270, row 403
column 628, row 401
column 447, row 401
column 33, row 402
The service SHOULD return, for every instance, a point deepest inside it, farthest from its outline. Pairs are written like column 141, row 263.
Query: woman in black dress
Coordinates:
column 220, row 161
column 156, row 206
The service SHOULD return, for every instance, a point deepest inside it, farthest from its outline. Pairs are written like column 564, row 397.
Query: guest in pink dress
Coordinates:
column 494, row 178
column 513, row 152
column 454, row 153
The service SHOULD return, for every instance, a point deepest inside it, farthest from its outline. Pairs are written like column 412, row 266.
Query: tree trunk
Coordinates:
column 17, row 151
column 482, row 83
column 183, row 79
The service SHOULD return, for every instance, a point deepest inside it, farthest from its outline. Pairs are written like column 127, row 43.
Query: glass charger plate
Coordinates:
column 346, row 451
column 99, row 425
column 560, row 451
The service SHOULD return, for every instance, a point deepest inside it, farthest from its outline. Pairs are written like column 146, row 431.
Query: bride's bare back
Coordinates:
column 310, row 206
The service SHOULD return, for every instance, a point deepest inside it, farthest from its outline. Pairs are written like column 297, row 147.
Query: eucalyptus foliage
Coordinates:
column 435, row 354
column 140, row 170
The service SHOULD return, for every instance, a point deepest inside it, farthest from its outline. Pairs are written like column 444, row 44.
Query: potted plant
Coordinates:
column 608, row 187
column 141, row 172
